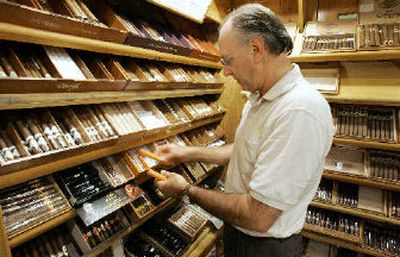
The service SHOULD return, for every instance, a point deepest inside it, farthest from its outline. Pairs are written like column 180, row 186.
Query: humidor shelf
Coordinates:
column 32, row 233
column 34, row 168
column 367, row 144
column 333, row 233
column 382, row 95
column 21, row 101
column 102, row 247
column 164, row 205
column 379, row 55
column 355, row 212
column 361, row 180
column 341, row 243
column 31, row 35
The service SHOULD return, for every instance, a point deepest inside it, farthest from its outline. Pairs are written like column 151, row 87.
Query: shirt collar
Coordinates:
column 284, row 85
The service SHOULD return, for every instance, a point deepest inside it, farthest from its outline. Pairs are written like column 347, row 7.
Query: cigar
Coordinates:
column 396, row 35
column 93, row 118
column 7, row 67
column 149, row 154
column 31, row 68
column 156, row 174
column 103, row 120
column 390, row 32
column 5, row 148
column 3, row 73
column 42, row 69
column 372, row 35
column 361, row 31
column 385, row 34
column 88, row 13
column 76, row 10
column 73, row 131
column 30, row 141
column 378, row 35
column 67, row 136
column 38, row 135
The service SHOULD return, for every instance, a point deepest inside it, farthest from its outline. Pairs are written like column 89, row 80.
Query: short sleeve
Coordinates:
column 289, row 161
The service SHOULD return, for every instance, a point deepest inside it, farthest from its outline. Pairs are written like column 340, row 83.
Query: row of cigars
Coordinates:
column 142, row 24
column 28, row 134
column 54, row 68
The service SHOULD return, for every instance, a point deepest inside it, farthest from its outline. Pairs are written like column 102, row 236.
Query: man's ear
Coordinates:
column 257, row 44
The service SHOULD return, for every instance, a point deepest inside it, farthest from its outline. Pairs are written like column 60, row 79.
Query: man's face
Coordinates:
column 236, row 57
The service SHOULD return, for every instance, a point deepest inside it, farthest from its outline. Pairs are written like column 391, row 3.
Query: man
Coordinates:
column 277, row 158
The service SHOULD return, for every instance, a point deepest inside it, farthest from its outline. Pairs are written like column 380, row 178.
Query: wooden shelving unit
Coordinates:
column 341, row 243
column 62, row 160
column 66, row 93
column 20, row 101
column 355, row 212
column 30, row 35
column 360, row 180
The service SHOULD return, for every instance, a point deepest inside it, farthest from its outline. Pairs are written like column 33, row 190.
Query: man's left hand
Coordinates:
column 173, row 186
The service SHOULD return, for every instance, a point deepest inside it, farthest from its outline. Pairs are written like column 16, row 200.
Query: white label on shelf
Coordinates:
column 339, row 165
column 367, row 6
column 192, row 9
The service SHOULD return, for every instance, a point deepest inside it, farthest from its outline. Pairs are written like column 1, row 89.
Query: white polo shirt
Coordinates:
column 279, row 151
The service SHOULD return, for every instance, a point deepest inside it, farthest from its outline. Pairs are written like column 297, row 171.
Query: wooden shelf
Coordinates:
column 355, row 212
column 215, row 13
column 333, row 233
column 368, row 83
column 20, row 101
column 46, row 165
column 340, row 243
column 367, row 144
column 361, row 180
column 32, row 233
column 347, row 56
column 31, row 35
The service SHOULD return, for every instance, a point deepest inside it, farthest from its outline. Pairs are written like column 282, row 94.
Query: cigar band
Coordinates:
column 69, row 139
column 7, row 153
column 3, row 74
column 13, row 74
column 75, row 134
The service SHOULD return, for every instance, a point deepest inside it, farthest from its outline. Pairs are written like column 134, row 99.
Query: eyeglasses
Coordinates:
column 226, row 60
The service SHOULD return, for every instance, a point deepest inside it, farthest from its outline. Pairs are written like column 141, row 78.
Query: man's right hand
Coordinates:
column 172, row 154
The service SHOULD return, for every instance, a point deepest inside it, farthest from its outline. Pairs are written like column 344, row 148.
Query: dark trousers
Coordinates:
column 238, row 244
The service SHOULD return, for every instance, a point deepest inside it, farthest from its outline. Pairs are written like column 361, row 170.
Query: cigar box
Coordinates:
column 115, row 20
column 195, row 170
column 329, row 37
column 149, row 115
column 188, row 222
column 92, row 211
column 371, row 199
column 136, row 246
column 88, row 237
column 65, row 72
column 31, row 204
column 43, row 20
column 114, row 170
column 346, row 159
column 135, row 165
column 383, row 165
column 140, row 206
column 165, row 238
column 379, row 26
column 325, row 78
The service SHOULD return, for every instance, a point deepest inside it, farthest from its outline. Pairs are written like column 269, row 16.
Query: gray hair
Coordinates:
column 257, row 20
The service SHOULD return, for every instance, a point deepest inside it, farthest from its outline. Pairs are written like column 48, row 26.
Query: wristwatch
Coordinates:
column 186, row 189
